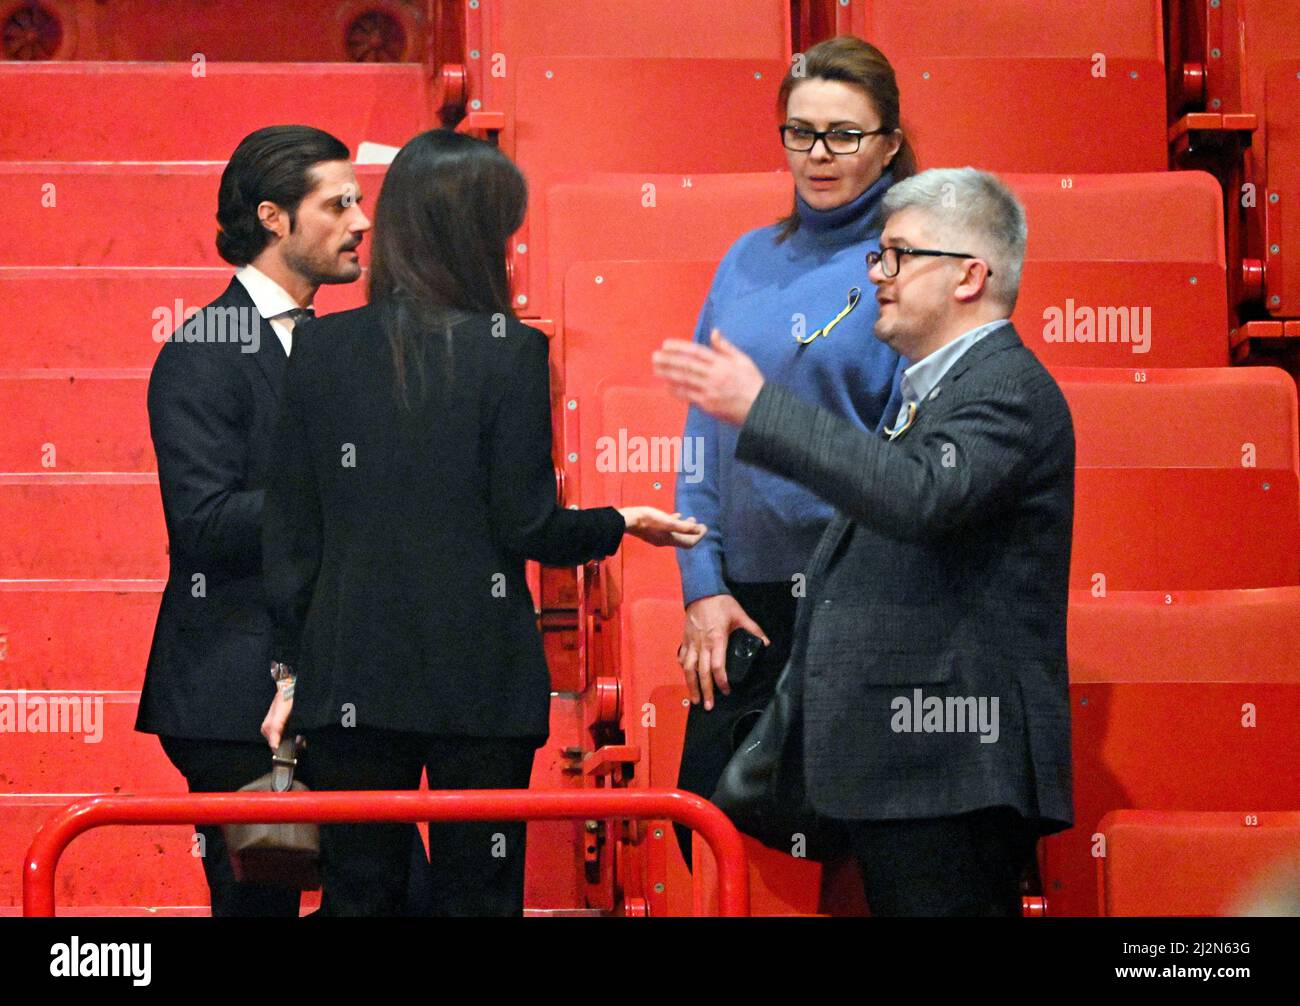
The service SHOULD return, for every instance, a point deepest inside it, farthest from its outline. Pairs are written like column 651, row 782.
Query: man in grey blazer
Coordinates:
column 930, row 643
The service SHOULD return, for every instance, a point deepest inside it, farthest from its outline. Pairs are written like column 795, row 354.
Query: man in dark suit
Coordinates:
column 930, row 645
column 290, row 219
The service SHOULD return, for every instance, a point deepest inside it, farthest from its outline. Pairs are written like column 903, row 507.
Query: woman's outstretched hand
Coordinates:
column 659, row 528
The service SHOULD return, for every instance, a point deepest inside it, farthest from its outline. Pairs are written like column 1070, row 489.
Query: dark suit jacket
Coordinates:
column 395, row 539
column 946, row 576
column 212, row 409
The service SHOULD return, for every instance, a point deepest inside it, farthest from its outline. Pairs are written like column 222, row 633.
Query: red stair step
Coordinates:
column 98, row 208
column 68, row 422
column 106, row 755
column 91, row 634
column 82, row 526
column 83, row 107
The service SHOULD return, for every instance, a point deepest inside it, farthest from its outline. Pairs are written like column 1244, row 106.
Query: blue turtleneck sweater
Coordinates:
column 763, row 527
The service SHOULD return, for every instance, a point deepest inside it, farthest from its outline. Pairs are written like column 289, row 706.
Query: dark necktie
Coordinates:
column 300, row 314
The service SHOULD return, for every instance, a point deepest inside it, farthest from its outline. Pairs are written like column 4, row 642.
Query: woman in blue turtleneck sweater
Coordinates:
column 795, row 297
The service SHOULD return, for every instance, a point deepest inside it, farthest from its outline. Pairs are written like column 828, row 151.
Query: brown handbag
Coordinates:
column 276, row 855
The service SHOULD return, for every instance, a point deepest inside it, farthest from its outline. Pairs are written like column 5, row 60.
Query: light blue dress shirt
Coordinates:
column 923, row 376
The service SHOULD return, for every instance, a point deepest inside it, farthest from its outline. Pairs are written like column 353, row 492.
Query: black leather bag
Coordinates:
column 278, row 855
column 762, row 788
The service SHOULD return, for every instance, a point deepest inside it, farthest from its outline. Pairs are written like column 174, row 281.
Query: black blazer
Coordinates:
column 212, row 410
column 395, row 539
column 947, row 572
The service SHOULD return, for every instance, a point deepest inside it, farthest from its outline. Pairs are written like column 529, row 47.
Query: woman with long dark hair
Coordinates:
column 414, row 480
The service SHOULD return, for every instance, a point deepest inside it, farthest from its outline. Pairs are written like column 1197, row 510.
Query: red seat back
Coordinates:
column 1242, row 417
column 1194, row 863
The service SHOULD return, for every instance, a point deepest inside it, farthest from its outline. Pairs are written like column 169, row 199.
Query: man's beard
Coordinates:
column 319, row 271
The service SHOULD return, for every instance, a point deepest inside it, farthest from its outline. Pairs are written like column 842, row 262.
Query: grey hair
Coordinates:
column 970, row 207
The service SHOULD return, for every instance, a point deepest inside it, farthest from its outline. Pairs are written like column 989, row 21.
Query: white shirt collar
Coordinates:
column 924, row 375
column 269, row 297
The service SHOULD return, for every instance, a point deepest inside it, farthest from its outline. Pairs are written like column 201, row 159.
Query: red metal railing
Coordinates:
column 404, row 806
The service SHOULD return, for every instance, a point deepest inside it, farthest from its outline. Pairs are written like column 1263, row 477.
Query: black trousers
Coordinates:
column 212, row 766
column 968, row 865
column 713, row 736
column 476, row 867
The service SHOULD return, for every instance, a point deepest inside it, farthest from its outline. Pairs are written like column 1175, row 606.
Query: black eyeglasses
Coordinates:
column 890, row 258
column 801, row 139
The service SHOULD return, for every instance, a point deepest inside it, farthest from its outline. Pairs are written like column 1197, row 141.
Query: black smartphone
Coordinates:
column 742, row 649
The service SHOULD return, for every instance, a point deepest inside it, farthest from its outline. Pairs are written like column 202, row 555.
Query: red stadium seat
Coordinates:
column 725, row 29
column 574, row 88
column 1189, row 863
column 1194, row 418
column 1179, row 700
column 480, row 74
column 643, row 216
column 611, row 328
column 650, row 115
column 1123, row 270
column 597, row 87
column 1185, row 528
column 1206, row 636
column 1020, row 85
column 699, row 147
column 675, row 102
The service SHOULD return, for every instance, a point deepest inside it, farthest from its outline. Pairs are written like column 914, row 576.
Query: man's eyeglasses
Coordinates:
column 890, row 258
column 838, row 141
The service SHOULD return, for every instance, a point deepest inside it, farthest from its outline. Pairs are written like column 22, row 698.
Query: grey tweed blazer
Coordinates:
column 930, row 642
